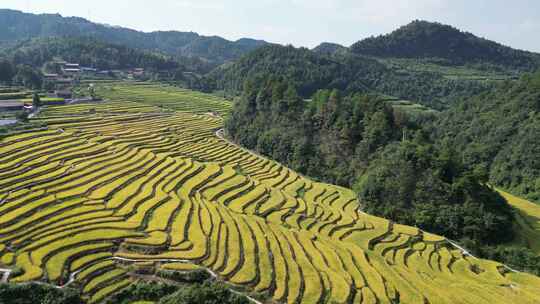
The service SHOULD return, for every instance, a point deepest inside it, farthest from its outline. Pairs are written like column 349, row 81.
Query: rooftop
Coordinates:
column 10, row 103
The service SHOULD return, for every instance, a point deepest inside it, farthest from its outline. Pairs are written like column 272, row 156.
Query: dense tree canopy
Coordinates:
column 310, row 71
column 328, row 48
column 7, row 70
column 21, row 74
column 204, row 294
column 87, row 52
column 17, row 25
column 423, row 185
column 28, row 77
column 142, row 291
column 37, row 293
column 422, row 39
column 318, row 137
column 499, row 132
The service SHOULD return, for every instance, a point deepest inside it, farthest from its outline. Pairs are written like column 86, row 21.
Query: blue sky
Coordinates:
column 305, row 22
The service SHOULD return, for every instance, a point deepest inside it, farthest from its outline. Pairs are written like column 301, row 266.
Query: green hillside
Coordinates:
column 310, row 71
column 88, row 52
column 528, row 219
column 497, row 132
column 432, row 40
column 329, row 48
column 17, row 25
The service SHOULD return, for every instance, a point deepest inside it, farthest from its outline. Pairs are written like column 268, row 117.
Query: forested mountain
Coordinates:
column 88, row 52
column 307, row 70
column 219, row 49
column 429, row 63
column 16, row 25
column 24, row 62
column 422, row 39
column 329, row 48
column 498, row 133
column 310, row 71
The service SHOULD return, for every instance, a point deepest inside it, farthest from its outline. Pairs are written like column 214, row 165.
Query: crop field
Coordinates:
column 528, row 220
column 145, row 178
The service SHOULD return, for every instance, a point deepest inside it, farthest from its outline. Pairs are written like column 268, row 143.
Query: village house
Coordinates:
column 50, row 77
column 138, row 72
column 11, row 105
column 88, row 71
column 71, row 69
column 66, row 94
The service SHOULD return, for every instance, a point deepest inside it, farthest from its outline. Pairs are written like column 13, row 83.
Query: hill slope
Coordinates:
column 328, row 48
column 307, row 70
column 162, row 191
column 528, row 221
column 422, row 39
column 310, row 71
column 16, row 25
column 88, row 52
column 498, row 132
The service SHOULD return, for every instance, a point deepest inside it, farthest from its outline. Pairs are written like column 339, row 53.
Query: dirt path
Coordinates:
column 219, row 134
column 5, row 275
column 213, row 274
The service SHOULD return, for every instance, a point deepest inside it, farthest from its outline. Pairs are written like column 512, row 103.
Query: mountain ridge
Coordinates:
column 329, row 48
column 424, row 39
column 18, row 25
column 345, row 71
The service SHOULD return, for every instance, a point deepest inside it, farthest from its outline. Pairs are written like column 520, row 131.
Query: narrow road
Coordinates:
column 70, row 281
column 34, row 113
column 5, row 275
column 213, row 274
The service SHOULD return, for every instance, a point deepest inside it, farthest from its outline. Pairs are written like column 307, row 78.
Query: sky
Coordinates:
column 305, row 22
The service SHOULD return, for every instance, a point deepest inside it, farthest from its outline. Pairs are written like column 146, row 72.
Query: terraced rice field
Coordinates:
column 528, row 220
column 143, row 178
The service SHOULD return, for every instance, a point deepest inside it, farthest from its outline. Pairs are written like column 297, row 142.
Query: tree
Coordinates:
column 36, row 101
column 92, row 91
column 142, row 291
column 36, row 293
column 22, row 116
column 7, row 71
column 206, row 293
column 28, row 77
column 423, row 185
column 496, row 134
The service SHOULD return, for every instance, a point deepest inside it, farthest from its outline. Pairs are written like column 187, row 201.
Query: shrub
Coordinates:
column 207, row 293
column 37, row 293
column 194, row 276
column 142, row 291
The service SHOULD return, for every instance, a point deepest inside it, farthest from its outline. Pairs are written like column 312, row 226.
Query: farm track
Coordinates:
column 152, row 180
